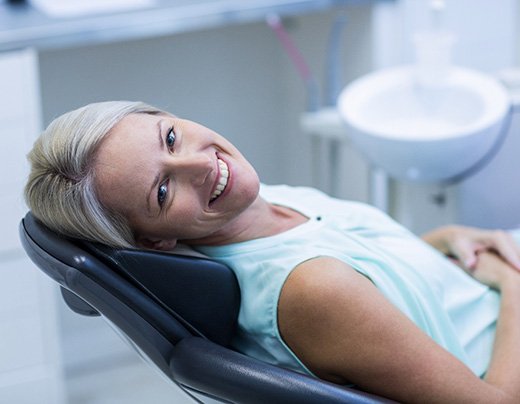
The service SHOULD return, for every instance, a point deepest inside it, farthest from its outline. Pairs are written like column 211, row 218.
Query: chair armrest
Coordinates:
column 217, row 371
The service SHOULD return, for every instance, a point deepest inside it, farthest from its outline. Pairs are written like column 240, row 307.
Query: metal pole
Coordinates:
column 378, row 188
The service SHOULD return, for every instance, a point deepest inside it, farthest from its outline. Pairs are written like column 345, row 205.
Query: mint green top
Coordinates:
column 451, row 307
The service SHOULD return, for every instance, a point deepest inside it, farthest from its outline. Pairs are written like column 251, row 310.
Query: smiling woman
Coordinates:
column 183, row 181
column 331, row 288
column 127, row 174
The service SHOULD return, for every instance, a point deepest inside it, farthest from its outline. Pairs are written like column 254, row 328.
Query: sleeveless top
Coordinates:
column 456, row 311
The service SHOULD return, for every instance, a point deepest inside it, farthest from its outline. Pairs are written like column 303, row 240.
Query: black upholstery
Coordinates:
column 179, row 313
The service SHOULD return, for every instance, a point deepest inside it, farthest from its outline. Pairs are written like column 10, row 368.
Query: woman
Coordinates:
column 329, row 287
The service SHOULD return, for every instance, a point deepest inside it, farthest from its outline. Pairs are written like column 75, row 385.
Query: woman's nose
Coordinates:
column 194, row 167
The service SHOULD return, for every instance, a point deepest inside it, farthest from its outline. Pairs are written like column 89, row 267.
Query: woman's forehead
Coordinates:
column 136, row 121
column 125, row 163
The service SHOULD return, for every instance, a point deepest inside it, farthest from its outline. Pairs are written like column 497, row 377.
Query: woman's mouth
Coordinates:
column 222, row 181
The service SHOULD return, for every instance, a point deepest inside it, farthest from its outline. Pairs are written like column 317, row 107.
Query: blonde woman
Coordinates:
column 331, row 288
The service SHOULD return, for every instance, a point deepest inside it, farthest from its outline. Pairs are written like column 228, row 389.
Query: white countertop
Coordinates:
column 24, row 26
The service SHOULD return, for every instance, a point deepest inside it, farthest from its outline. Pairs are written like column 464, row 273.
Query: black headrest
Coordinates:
column 201, row 293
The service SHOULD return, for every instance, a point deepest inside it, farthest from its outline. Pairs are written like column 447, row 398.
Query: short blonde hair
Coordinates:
column 61, row 191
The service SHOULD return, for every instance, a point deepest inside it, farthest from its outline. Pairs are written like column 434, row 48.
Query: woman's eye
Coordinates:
column 162, row 193
column 170, row 138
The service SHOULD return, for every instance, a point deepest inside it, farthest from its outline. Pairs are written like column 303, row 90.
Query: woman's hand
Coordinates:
column 465, row 243
column 493, row 271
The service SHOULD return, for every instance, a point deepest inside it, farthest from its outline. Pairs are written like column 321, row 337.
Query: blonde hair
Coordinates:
column 61, row 188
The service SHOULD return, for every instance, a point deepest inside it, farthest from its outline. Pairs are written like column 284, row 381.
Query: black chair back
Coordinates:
column 178, row 312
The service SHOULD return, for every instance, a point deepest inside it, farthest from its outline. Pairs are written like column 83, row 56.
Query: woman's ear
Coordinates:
column 161, row 245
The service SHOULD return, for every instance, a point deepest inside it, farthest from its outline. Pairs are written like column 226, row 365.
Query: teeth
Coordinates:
column 222, row 181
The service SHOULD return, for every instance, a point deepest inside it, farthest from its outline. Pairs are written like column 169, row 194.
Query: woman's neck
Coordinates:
column 261, row 219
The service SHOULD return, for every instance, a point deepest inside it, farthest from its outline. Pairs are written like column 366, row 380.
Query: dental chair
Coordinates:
column 178, row 312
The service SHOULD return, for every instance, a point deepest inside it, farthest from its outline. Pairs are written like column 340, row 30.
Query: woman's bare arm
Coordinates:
column 504, row 370
column 345, row 330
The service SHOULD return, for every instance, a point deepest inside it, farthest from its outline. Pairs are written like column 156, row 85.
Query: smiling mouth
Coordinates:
column 222, row 181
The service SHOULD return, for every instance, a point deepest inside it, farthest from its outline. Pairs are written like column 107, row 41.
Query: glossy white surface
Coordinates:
column 424, row 133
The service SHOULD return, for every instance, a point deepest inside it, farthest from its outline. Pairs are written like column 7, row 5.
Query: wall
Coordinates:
column 311, row 34
column 30, row 367
column 491, row 198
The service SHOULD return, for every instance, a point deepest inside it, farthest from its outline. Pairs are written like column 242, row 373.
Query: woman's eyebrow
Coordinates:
column 158, row 176
column 160, row 133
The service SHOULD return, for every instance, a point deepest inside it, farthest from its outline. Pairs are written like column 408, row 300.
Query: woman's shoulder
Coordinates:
column 318, row 271
column 318, row 281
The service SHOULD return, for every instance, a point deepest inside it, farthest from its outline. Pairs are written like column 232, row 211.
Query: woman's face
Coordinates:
column 173, row 179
